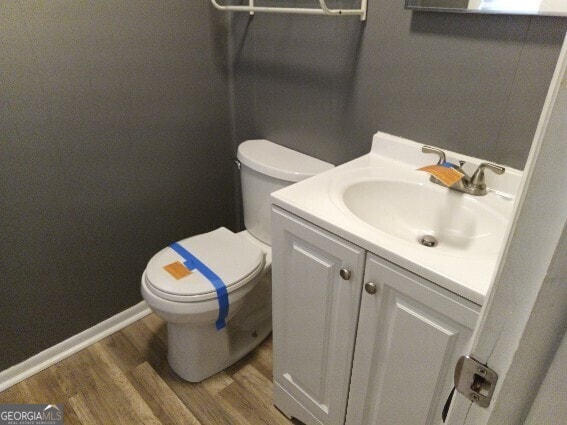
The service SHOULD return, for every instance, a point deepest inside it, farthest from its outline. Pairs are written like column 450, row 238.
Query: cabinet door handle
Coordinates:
column 370, row 287
column 345, row 274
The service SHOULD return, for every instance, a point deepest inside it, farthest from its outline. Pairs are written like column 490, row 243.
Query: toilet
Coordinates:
column 214, row 289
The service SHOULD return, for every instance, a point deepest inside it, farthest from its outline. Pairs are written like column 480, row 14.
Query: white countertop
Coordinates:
column 318, row 200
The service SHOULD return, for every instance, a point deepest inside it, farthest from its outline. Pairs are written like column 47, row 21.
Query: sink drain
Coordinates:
column 428, row 241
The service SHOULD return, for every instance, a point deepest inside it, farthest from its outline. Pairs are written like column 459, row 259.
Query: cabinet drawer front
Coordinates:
column 315, row 312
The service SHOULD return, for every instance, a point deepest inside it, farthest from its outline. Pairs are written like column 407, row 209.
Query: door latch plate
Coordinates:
column 475, row 381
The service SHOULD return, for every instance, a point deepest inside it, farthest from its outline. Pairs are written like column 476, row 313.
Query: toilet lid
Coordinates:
column 231, row 257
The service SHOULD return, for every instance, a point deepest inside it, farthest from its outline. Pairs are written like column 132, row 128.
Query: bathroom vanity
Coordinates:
column 368, row 322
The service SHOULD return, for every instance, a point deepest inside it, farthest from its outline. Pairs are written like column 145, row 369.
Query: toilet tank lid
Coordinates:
column 278, row 161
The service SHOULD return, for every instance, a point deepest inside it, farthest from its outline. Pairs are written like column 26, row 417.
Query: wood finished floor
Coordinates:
column 125, row 379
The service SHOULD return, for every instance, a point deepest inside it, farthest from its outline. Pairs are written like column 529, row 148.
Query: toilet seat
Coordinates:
column 230, row 256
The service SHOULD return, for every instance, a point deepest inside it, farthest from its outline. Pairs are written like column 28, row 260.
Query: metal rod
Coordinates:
column 305, row 11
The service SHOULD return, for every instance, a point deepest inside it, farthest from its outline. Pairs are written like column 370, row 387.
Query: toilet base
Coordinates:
column 198, row 352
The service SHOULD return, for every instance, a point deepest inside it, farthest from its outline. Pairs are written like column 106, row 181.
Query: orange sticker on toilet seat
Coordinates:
column 177, row 270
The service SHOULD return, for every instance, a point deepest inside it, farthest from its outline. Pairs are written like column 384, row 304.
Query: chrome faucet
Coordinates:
column 472, row 185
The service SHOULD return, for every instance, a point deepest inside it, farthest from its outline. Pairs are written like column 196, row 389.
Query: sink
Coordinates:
column 380, row 203
column 420, row 212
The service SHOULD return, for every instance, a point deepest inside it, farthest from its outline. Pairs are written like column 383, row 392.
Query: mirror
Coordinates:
column 516, row 7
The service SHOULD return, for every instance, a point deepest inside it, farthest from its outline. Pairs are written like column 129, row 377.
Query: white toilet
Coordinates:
column 214, row 289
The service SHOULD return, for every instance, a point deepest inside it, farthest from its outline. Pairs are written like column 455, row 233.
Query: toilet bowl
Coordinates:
column 197, row 349
column 214, row 289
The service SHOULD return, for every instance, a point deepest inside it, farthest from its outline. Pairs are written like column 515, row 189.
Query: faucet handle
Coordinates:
column 477, row 178
column 439, row 152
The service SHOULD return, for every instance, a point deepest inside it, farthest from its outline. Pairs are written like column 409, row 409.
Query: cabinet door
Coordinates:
column 410, row 335
column 315, row 313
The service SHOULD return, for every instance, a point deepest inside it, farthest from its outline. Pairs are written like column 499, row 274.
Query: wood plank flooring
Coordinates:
column 125, row 379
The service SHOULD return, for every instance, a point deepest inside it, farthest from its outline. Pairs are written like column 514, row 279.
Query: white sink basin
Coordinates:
column 453, row 222
column 382, row 204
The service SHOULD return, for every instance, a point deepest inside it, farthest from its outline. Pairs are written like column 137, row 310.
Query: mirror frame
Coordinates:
column 412, row 5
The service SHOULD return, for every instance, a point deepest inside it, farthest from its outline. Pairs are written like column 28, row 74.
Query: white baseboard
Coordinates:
column 71, row 346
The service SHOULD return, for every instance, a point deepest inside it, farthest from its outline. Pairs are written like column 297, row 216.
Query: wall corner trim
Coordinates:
column 70, row 346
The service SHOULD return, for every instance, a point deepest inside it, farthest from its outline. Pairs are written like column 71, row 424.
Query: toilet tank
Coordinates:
column 265, row 168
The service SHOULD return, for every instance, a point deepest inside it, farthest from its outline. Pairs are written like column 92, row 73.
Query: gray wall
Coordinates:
column 470, row 83
column 114, row 141
column 116, row 131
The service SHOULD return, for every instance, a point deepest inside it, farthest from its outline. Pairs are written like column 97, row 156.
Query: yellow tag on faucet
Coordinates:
column 448, row 176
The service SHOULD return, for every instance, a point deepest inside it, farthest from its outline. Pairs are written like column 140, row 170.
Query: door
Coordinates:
column 523, row 318
column 410, row 333
column 316, row 294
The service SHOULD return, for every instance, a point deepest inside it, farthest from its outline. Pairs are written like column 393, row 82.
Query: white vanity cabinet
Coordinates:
column 387, row 348
column 316, row 296
column 410, row 335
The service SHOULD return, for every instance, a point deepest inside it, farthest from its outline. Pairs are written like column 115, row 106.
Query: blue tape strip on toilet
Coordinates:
column 192, row 263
